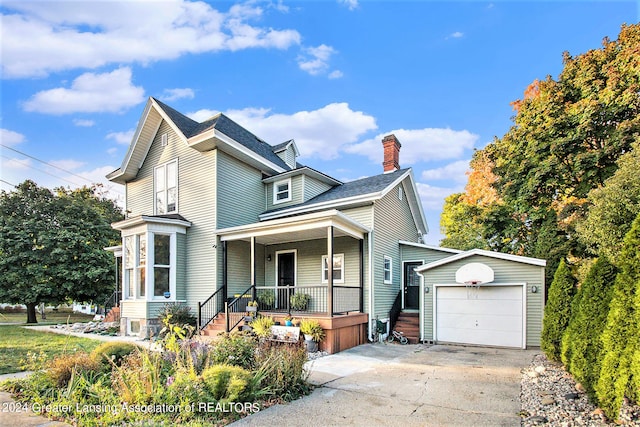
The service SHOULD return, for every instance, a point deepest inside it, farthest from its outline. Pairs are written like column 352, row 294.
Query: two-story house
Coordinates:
column 216, row 216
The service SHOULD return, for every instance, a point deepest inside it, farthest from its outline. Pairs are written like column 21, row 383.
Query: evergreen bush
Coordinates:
column 113, row 351
column 228, row 383
column 619, row 372
column 582, row 339
column 557, row 312
column 176, row 313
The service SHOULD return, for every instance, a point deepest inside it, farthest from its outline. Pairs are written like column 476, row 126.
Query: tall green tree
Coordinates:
column 613, row 207
column 52, row 245
column 567, row 136
column 620, row 339
column 581, row 342
column 557, row 312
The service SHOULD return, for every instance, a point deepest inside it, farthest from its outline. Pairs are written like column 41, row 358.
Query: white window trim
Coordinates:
column 275, row 191
column 150, row 264
column 325, row 258
column 384, row 270
column 166, row 188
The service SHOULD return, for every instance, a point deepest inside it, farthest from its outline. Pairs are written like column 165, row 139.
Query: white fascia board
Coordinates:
column 419, row 218
column 435, row 248
column 143, row 219
column 233, row 144
column 305, row 170
column 332, row 204
column 482, row 252
column 314, row 220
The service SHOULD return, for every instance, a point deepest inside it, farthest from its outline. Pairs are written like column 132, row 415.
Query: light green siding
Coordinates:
column 196, row 203
column 153, row 308
column 296, row 193
column 392, row 222
column 309, row 260
column 240, row 192
column 362, row 215
column 312, row 187
column 289, row 156
column 506, row 272
column 133, row 309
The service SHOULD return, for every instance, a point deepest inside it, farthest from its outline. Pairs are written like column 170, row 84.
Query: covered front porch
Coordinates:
column 284, row 266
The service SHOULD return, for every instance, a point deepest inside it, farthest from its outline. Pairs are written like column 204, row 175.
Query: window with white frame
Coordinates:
column 129, row 263
column 338, row 268
column 142, row 265
column 388, row 266
column 161, row 264
column 166, row 188
column 282, row 191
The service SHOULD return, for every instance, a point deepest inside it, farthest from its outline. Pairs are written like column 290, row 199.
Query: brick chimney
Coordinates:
column 391, row 147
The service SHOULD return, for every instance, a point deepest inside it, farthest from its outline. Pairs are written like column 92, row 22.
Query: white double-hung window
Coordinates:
column 338, row 268
column 282, row 191
column 150, row 266
column 388, row 270
column 165, row 182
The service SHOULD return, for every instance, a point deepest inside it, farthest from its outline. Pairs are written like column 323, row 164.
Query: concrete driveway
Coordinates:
column 412, row 385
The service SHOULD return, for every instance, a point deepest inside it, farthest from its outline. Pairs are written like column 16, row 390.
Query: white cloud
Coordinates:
column 336, row 74
column 419, row 145
column 308, row 128
column 83, row 123
column 38, row 38
column 456, row 35
column 205, row 114
column 351, row 4
column 68, row 164
column 9, row 137
column 90, row 93
column 433, row 197
column 452, row 172
column 178, row 93
column 315, row 60
column 123, row 138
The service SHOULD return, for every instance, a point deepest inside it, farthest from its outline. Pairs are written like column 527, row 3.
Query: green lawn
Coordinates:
column 16, row 342
column 53, row 317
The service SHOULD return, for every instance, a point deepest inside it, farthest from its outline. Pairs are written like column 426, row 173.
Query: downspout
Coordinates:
column 421, row 306
column 371, row 300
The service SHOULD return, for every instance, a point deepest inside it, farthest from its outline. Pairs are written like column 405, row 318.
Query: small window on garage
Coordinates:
column 388, row 270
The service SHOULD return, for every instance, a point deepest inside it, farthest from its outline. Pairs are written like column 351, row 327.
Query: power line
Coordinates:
column 7, row 182
column 56, row 167
column 41, row 170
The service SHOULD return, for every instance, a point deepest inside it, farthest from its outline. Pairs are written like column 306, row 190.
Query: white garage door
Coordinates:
column 492, row 316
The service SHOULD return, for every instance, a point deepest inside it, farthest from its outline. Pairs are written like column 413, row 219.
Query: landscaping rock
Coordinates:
column 547, row 401
column 571, row 396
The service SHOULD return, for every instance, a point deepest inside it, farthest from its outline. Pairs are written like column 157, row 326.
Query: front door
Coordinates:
column 411, row 286
column 286, row 277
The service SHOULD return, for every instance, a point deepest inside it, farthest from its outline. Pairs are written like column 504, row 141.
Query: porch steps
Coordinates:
column 409, row 325
column 113, row 315
column 217, row 325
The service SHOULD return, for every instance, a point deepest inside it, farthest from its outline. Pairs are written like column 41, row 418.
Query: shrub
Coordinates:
column 236, row 348
column 113, row 351
column 63, row 367
column 557, row 312
column 312, row 327
column 299, row 301
column 262, row 326
column 176, row 313
column 581, row 343
column 141, row 378
column 228, row 383
column 281, row 371
column 620, row 336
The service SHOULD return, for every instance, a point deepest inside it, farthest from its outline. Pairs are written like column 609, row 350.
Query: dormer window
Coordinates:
column 166, row 188
column 282, row 191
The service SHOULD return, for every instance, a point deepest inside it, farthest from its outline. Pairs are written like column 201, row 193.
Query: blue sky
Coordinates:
column 334, row 75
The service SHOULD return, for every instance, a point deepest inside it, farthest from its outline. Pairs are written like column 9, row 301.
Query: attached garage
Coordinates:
column 482, row 298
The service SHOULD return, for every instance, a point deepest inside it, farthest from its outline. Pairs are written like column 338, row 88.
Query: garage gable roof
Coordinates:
column 482, row 252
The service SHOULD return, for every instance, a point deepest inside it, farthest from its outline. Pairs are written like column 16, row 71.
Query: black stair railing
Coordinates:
column 237, row 307
column 211, row 308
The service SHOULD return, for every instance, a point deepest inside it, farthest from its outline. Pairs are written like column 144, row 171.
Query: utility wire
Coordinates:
column 7, row 182
column 53, row 166
column 41, row 170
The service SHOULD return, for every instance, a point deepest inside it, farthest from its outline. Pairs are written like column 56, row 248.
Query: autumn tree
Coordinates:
column 52, row 245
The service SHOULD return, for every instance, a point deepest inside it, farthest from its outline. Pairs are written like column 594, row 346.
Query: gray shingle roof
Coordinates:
column 222, row 123
column 360, row 187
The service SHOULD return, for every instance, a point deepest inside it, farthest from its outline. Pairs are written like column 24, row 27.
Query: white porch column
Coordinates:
column 253, row 260
column 330, row 270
